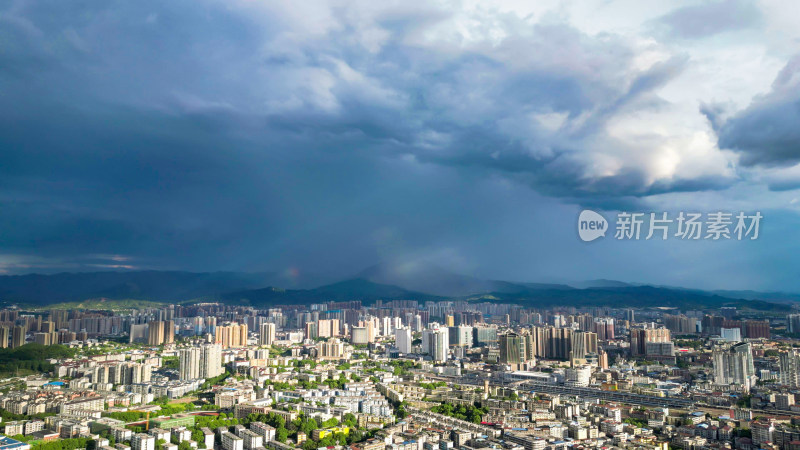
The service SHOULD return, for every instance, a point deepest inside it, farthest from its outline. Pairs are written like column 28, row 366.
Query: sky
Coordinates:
column 324, row 137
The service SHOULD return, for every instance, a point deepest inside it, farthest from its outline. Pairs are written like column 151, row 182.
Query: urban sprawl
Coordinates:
column 399, row 375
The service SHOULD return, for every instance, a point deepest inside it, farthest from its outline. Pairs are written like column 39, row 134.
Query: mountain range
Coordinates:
column 380, row 282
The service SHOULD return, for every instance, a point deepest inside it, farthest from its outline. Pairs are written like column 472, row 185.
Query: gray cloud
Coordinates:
column 709, row 18
column 207, row 135
column 766, row 133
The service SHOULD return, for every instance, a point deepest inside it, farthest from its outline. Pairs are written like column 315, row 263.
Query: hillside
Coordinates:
column 160, row 286
column 99, row 289
column 354, row 289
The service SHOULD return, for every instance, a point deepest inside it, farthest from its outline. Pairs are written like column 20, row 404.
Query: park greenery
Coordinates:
column 472, row 413
column 636, row 422
column 31, row 358
column 61, row 444
column 167, row 409
column 432, row 386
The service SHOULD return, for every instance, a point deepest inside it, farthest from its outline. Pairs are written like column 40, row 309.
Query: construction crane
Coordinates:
column 147, row 419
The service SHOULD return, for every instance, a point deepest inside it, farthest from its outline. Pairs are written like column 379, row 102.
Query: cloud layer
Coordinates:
column 252, row 135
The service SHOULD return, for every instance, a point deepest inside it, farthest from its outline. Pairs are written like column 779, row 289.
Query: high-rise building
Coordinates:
column 731, row 334
column 793, row 323
column 47, row 327
column 604, row 327
column 155, row 333
column 142, row 441
column 359, row 335
column 310, row 330
column 267, row 334
column 578, row 376
column 386, row 326
column 734, row 365
column 602, row 360
column 755, row 329
column 372, row 324
column 325, row 328
column 189, row 359
column 200, row 362
column 512, row 348
column 211, row 361
column 18, row 336
column 435, row 342
column 583, row 343
column 461, row 336
column 330, row 349
column 485, row 335
column 231, row 335
column 680, row 324
column 42, row 338
column 790, row 368
column 402, row 339
column 169, row 331
column 5, row 337
column 552, row 342
column 641, row 336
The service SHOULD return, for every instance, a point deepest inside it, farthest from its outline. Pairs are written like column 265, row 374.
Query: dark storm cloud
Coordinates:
column 766, row 133
column 710, row 18
column 242, row 135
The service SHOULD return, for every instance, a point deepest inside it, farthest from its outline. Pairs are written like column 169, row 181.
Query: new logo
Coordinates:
column 591, row 225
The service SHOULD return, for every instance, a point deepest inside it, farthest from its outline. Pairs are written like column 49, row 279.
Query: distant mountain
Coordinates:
column 434, row 280
column 160, row 286
column 426, row 278
column 630, row 296
column 778, row 297
column 354, row 289
column 601, row 283
column 381, row 282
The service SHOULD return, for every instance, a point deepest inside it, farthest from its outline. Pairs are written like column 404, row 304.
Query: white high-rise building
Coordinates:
column 402, row 339
column 189, row 359
column 735, row 366
column 200, row 362
column 578, row 376
column 790, row 368
column 417, row 323
column 435, row 342
column 731, row 334
column 141, row 441
column 359, row 335
column 461, row 336
column 211, row 361
column 267, row 334
column 386, row 326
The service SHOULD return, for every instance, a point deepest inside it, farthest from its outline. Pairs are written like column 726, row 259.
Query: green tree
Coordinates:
column 332, row 422
column 199, row 437
column 281, row 434
column 350, row 420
